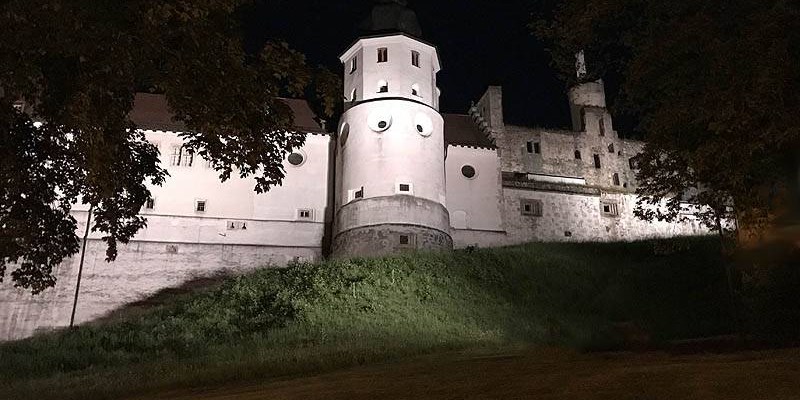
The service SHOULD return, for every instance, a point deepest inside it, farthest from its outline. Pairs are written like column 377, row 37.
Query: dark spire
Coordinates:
column 392, row 16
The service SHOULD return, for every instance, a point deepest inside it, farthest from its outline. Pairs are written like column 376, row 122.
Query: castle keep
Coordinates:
column 395, row 176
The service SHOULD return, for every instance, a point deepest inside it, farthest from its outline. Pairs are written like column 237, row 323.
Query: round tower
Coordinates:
column 390, row 179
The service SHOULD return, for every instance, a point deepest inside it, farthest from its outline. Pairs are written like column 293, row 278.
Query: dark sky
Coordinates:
column 481, row 43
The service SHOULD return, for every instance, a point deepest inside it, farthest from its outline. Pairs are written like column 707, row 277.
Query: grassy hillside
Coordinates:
column 310, row 318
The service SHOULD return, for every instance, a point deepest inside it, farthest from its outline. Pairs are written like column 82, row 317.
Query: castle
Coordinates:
column 395, row 176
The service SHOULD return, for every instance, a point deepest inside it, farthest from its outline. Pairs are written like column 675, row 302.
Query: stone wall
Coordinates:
column 579, row 217
column 141, row 270
column 381, row 240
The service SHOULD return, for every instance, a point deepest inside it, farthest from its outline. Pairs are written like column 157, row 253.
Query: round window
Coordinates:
column 379, row 121
column 296, row 159
column 468, row 171
column 423, row 124
column 344, row 134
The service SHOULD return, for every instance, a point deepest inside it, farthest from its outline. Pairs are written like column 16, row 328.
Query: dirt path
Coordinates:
column 544, row 374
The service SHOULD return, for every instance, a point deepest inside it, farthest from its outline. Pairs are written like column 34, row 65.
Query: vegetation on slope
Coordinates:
column 309, row 318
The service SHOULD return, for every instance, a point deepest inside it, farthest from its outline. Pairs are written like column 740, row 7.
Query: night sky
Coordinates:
column 481, row 43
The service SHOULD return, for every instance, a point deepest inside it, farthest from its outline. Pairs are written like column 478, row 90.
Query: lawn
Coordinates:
column 312, row 318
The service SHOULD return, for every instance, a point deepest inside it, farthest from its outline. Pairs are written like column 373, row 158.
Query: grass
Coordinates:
column 311, row 318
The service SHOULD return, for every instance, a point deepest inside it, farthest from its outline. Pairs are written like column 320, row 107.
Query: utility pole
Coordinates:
column 80, row 267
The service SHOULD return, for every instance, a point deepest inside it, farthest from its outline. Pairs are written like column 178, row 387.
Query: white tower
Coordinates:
column 390, row 179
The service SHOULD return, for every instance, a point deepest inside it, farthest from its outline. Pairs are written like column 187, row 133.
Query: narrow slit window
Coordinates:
column 597, row 161
column 537, row 148
column 415, row 58
column 354, row 64
column 602, row 127
column 615, row 178
column 383, row 55
column 583, row 119
column 529, row 147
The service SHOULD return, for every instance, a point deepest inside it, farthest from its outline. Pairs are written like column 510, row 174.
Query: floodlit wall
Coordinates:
column 238, row 231
column 474, row 202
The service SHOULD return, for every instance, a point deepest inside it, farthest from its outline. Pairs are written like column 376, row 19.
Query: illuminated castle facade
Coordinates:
column 395, row 176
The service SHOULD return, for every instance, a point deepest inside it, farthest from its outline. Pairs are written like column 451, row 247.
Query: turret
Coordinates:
column 390, row 151
column 587, row 103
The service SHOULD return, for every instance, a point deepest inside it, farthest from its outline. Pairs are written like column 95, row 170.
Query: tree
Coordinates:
column 715, row 86
column 74, row 68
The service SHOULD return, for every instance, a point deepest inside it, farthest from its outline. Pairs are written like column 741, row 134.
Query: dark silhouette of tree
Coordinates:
column 74, row 68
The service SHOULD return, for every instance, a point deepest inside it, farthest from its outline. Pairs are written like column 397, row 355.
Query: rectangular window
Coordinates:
column 602, row 126
column 383, row 55
column 632, row 163
column 615, row 179
column 175, row 156
column 415, row 58
column 181, row 157
column 200, row 205
column 354, row 64
column 150, row 204
column 596, row 161
column 609, row 209
column 537, row 148
column 405, row 187
column 404, row 239
column 359, row 194
column 531, row 207
column 529, row 147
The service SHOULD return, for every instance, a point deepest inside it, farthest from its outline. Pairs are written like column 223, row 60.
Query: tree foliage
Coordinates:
column 714, row 85
column 77, row 65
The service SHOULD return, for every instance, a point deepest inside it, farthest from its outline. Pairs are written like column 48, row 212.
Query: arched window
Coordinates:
column 577, row 154
column 383, row 86
column 415, row 90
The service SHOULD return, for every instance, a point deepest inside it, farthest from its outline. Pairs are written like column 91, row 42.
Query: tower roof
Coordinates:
column 392, row 16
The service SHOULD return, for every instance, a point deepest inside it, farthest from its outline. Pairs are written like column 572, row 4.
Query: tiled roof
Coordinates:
column 150, row 111
column 461, row 130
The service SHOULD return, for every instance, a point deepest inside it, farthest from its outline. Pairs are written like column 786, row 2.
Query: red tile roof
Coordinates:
column 150, row 111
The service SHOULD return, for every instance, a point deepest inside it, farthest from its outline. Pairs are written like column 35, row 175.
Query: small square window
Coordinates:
column 405, row 239
column 305, row 214
column 415, row 58
column 577, row 154
column 609, row 209
column 383, row 55
column 200, row 205
column 531, row 207
column 359, row 194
